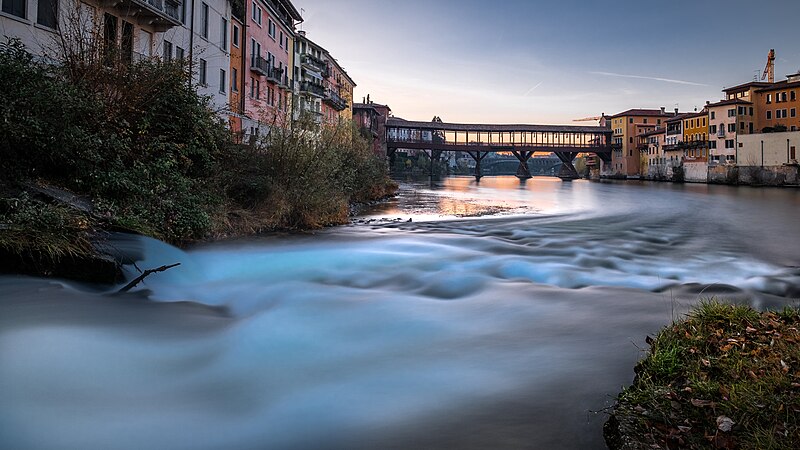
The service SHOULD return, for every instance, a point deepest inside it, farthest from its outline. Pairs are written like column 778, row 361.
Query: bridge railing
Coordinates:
column 555, row 139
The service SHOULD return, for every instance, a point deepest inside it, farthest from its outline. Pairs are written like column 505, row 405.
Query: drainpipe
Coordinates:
column 787, row 151
column 762, row 154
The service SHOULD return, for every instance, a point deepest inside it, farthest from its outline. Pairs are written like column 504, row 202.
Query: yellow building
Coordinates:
column 695, row 136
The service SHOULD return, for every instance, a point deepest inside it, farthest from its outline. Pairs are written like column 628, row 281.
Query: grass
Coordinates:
column 722, row 361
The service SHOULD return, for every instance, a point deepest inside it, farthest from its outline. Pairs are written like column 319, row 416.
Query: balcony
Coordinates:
column 333, row 99
column 162, row 14
column 286, row 83
column 673, row 147
column 313, row 63
column 326, row 72
column 275, row 75
column 314, row 89
column 721, row 133
column 260, row 65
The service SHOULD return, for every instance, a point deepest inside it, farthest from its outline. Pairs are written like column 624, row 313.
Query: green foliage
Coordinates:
column 51, row 232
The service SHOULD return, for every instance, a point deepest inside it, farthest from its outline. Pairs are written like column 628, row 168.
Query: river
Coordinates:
column 505, row 314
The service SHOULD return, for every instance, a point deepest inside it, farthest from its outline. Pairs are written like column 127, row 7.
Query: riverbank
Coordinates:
column 725, row 377
column 86, row 150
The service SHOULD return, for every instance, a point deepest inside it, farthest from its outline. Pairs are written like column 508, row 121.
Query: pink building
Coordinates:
column 268, row 79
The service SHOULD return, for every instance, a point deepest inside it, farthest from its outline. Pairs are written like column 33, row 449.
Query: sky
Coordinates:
column 550, row 61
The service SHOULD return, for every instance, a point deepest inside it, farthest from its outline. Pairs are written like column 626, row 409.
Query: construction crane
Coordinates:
column 588, row 119
column 769, row 71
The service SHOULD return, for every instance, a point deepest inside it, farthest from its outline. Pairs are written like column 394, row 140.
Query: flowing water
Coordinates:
column 503, row 315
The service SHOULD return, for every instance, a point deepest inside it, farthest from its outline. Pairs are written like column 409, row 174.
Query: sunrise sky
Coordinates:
column 530, row 61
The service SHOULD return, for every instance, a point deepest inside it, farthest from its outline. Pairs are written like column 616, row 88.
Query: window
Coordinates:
column 769, row 115
column 126, row 43
column 630, row 120
column 180, row 53
column 222, row 81
column 271, row 29
column 167, row 51
column 729, row 143
column 793, row 112
column 256, row 14
column 223, row 30
column 286, row 46
column 712, row 129
column 234, row 80
column 783, row 94
column 713, row 115
column 252, row 87
column 793, row 96
column 47, row 13
column 732, row 127
column 280, row 42
column 204, row 21
column 732, row 112
column 741, row 126
column 751, row 111
column 201, row 71
column 645, row 120
column 712, row 144
column 183, row 11
column 145, row 43
column 236, row 36
column 14, row 7
column 769, row 98
column 658, row 121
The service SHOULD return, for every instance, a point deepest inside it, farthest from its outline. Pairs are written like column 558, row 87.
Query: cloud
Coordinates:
column 639, row 77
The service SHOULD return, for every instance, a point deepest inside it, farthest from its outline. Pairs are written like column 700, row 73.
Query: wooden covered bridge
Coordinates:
column 566, row 142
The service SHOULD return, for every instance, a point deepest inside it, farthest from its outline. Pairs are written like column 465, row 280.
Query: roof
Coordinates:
column 290, row 8
column 654, row 132
column 680, row 116
column 692, row 115
column 785, row 84
column 745, row 86
column 735, row 101
column 344, row 72
column 393, row 122
column 643, row 112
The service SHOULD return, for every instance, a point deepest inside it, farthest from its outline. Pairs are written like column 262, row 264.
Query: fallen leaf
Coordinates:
column 700, row 403
column 725, row 424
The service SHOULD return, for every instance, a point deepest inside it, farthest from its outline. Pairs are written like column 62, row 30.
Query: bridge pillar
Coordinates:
column 478, row 157
column 568, row 171
column 523, row 172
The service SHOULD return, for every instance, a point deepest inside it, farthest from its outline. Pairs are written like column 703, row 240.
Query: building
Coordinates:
column 769, row 149
column 203, row 39
column 337, row 105
column 268, row 86
column 727, row 120
column 695, row 136
column 128, row 29
column 651, row 146
column 370, row 118
column 238, row 69
column 309, row 69
column 777, row 105
column 625, row 157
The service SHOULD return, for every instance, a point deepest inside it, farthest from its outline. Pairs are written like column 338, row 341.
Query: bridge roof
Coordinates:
column 400, row 123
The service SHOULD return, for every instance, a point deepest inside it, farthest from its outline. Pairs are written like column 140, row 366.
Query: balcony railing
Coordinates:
column 166, row 12
column 260, row 65
column 275, row 75
column 286, row 82
column 312, row 88
column 313, row 63
column 335, row 100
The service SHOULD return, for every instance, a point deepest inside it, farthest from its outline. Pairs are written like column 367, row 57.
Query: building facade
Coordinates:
column 727, row 120
column 626, row 126
column 268, row 85
column 777, row 105
column 337, row 105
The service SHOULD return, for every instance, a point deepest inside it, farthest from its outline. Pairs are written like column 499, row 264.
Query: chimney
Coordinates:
column 369, row 102
column 676, row 111
column 663, row 110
